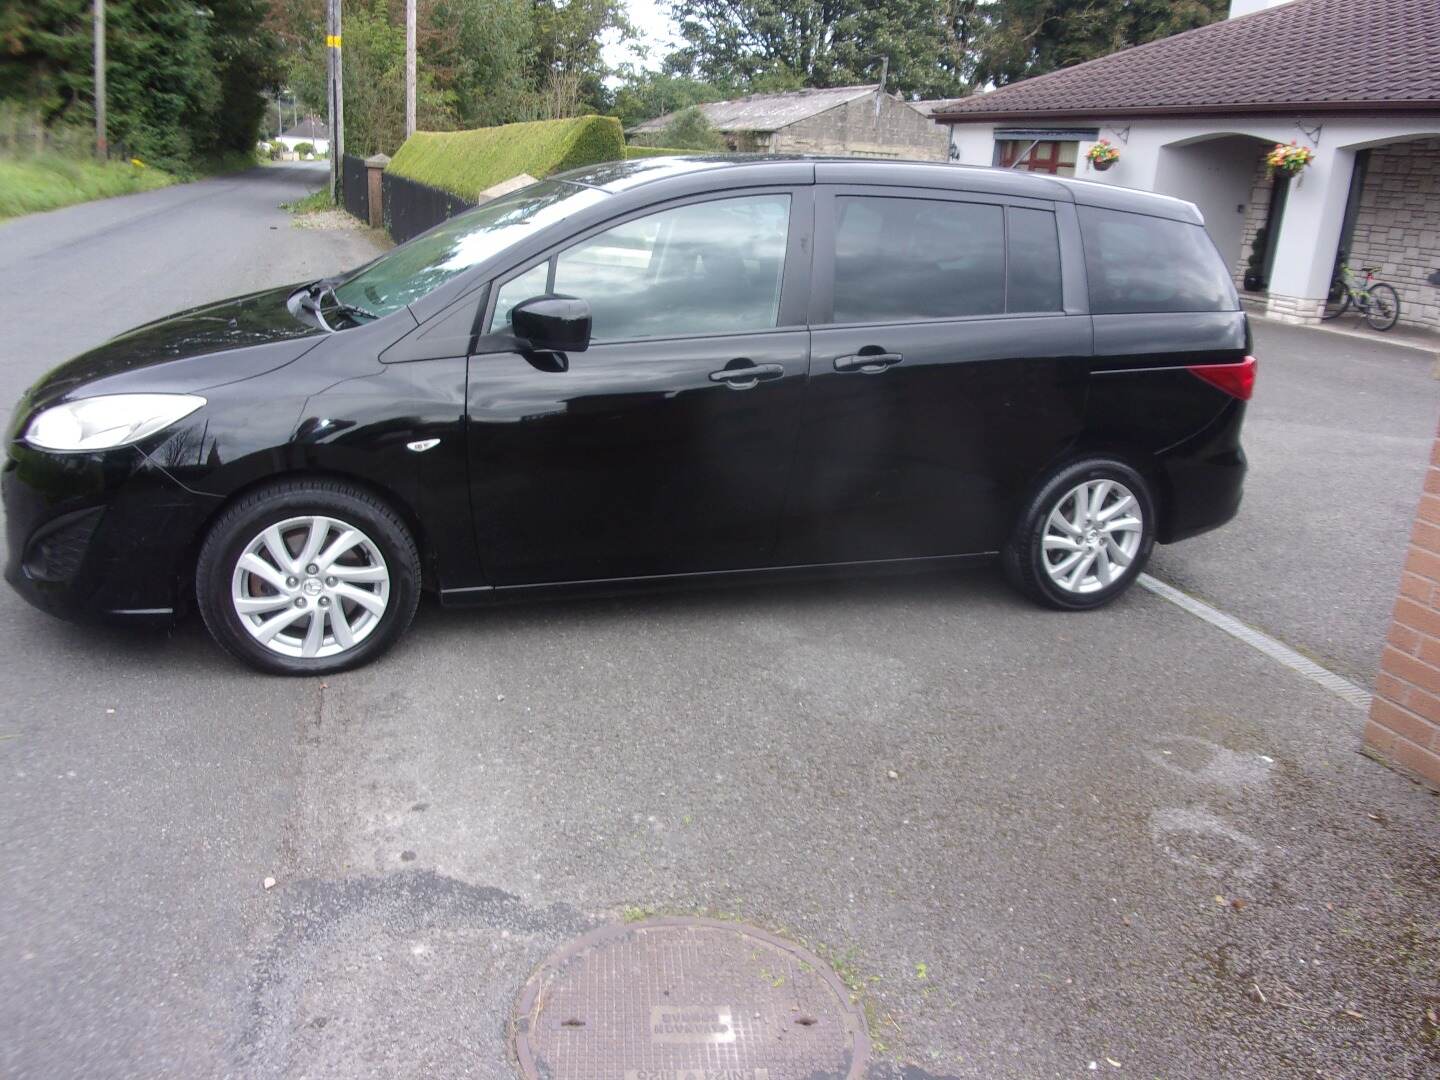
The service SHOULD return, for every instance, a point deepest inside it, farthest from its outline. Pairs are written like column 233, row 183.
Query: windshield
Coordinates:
column 427, row 262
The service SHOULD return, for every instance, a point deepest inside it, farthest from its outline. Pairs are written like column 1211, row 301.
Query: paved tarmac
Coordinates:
column 1030, row 842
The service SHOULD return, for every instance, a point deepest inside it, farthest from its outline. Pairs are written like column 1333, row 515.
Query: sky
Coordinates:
column 652, row 20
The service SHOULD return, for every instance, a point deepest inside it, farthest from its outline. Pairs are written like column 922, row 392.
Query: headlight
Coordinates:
column 100, row 423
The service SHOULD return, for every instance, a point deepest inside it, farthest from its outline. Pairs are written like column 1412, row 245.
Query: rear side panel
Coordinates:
column 1144, row 401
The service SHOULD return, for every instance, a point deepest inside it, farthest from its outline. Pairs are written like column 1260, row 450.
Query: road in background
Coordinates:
column 1033, row 843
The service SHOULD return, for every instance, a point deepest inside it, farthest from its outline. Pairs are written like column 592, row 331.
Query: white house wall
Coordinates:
column 1181, row 157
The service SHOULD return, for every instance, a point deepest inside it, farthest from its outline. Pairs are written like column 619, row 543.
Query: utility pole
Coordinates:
column 335, row 96
column 409, row 68
column 102, row 148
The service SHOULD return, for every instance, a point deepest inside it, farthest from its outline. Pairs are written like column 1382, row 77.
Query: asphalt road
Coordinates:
column 1019, row 832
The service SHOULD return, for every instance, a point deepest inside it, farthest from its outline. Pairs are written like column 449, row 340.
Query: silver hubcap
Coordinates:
column 1091, row 536
column 310, row 587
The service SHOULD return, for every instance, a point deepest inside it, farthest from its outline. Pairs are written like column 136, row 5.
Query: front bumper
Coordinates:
column 108, row 534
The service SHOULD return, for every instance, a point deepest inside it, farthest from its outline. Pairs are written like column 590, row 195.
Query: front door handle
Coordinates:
column 867, row 362
column 744, row 377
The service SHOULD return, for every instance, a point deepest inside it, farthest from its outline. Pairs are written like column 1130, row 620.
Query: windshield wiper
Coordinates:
column 326, row 287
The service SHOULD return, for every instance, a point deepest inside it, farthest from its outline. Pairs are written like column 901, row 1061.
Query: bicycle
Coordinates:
column 1377, row 302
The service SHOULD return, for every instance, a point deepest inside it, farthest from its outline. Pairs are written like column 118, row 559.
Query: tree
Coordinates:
column 643, row 95
column 1024, row 38
column 185, row 80
column 689, row 130
column 828, row 42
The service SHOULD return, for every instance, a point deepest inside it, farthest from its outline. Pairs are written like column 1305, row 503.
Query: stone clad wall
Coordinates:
column 1398, row 225
column 899, row 131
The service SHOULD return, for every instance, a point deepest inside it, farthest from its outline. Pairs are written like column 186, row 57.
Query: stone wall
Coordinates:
column 1398, row 225
column 898, row 131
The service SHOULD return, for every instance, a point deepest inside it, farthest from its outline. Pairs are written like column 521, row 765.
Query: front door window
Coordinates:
column 705, row 268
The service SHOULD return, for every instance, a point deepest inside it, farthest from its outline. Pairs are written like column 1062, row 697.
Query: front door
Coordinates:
column 666, row 447
column 943, row 373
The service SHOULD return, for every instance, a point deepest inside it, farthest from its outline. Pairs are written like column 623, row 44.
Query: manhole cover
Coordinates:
column 687, row 999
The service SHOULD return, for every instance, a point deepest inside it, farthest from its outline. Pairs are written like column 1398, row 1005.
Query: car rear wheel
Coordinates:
column 1084, row 537
column 308, row 577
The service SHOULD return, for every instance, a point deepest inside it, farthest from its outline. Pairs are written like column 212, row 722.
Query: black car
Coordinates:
column 656, row 370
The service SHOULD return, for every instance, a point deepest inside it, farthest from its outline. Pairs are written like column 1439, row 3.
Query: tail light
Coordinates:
column 1237, row 380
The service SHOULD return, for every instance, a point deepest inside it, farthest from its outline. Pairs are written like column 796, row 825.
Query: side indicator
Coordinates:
column 1237, row 380
column 421, row 445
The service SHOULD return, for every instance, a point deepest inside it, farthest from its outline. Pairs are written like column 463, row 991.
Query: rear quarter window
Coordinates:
column 1137, row 263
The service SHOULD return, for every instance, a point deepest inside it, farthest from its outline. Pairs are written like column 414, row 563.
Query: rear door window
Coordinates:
column 1137, row 263
column 1033, row 268
column 898, row 259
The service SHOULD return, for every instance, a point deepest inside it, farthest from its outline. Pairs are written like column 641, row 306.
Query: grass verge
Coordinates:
column 310, row 204
column 48, row 182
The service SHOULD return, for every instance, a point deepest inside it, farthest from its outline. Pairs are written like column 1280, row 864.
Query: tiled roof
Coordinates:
column 1320, row 55
column 766, row 112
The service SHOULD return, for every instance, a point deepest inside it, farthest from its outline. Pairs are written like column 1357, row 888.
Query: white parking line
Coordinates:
column 1336, row 684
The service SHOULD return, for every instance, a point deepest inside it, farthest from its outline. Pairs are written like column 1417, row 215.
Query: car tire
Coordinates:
column 307, row 577
column 1109, row 544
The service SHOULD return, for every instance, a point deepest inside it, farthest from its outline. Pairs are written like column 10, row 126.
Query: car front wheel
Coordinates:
column 307, row 577
column 1084, row 537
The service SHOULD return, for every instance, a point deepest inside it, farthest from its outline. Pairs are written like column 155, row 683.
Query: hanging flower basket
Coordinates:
column 1289, row 158
column 1102, row 155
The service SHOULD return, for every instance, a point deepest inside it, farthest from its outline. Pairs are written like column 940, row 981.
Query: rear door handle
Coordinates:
column 743, row 378
column 868, row 363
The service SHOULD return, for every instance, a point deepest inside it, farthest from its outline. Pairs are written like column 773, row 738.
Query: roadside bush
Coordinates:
column 633, row 151
column 305, row 150
column 465, row 163
column 692, row 131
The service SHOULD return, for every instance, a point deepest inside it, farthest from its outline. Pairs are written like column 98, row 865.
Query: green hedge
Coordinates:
column 633, row 151
column 465, row 163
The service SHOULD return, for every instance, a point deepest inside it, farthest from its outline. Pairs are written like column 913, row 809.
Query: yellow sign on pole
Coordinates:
column 332, row 41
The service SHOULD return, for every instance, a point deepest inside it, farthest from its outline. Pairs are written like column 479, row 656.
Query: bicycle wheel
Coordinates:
column 1336, row 302
column 1382, row 311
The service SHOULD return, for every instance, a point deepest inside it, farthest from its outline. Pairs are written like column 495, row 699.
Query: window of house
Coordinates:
column 1054, row 156
column 900, row 259
column 1137, row 263
column 712, row 267
column 1033, row 267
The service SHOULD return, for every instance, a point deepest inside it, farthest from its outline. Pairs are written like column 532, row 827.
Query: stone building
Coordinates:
column 859, row 121
column 1193, row 115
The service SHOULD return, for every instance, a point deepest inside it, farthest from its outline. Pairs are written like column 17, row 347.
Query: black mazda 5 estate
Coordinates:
column 648, row 371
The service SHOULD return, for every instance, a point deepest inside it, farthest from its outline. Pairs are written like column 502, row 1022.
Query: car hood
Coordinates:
column 188, row 351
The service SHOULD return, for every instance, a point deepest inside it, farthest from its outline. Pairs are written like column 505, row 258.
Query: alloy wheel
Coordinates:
column 1092, row 536
column 310, row 587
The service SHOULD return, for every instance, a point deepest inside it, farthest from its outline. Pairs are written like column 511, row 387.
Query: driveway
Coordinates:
column 1035, row 845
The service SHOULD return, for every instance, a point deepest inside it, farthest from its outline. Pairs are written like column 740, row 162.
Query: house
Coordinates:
column 861, row 121
column 310, row 130
column 1194, row 115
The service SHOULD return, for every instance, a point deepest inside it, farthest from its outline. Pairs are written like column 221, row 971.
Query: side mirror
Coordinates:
column 552, row 323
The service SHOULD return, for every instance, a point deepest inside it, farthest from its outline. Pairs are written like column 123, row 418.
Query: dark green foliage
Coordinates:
column 633, row 151
column 691, row 131
column 1023, row 38
column 757, row 43
column 465, row 163
column 185, row 80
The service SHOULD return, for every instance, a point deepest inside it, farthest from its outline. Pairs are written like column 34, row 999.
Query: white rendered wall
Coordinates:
column 1199, row 159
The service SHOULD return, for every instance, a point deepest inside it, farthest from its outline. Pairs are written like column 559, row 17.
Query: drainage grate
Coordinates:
column 687, row 999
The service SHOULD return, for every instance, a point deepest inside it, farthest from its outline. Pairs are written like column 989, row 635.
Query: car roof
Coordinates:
column 741, row 170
